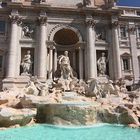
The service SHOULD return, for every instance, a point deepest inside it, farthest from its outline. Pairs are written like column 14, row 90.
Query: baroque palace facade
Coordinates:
column 88, row 29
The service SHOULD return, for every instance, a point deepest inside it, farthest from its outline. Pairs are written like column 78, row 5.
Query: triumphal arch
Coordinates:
column 100, row 39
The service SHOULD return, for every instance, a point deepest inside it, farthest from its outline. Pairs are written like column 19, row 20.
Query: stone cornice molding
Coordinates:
column 91, row 23
column 15, row 19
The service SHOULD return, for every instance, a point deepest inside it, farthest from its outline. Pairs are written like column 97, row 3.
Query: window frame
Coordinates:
column 127, row 57
column 4, row 31
column 124, row 34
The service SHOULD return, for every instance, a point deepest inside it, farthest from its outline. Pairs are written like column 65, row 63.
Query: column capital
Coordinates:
column 132, row 28
column 91, row 23
column 80, row 45
column 42, row 20
column 15, row 19
column 51, row 47
column 115, row 24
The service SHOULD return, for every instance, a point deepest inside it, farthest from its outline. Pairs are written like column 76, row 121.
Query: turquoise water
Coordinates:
column 47, row 132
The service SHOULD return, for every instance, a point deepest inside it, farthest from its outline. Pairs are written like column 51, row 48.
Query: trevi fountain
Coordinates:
column 68, row 101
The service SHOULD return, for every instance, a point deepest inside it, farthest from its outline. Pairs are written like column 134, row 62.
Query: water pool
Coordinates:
column 48, row 132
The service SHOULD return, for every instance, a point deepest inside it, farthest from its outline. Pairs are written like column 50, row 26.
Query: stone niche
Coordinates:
column 99, row 55
column 23, row 53
column 101, row 32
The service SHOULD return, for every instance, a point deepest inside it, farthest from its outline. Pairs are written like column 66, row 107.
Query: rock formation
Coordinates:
column 70, row 101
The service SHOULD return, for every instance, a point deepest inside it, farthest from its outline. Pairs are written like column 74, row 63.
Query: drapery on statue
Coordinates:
column 101, row 63
column 26, row 63
column 66, row 69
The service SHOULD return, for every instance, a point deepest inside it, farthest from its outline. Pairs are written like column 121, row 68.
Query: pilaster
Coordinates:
column 133, row 45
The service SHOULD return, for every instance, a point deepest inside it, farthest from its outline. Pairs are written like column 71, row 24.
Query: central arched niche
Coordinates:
column 66, row 37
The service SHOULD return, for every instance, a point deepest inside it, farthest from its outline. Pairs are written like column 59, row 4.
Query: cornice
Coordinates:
column 37, row 6
column 136, row 18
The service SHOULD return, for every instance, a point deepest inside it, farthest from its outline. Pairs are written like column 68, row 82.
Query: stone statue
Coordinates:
column 66, row 69
column 31, row 89
column 42, row 88
column 98, row 37
column 27, row 31
column 101, row 63
column 94, row 89
column 86, row 2
column 26, row 63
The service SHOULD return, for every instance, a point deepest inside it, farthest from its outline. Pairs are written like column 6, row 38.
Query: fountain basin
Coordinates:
column 49, row 132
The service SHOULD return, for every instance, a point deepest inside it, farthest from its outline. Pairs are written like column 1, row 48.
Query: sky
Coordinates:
column 135, row 3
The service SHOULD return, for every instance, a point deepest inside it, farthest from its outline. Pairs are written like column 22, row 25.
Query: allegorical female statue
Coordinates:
column 101, row 63
column 66, row 69
column 26, row 63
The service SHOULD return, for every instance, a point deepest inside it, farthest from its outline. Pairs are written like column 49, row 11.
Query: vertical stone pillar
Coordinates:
column 42, row 50
column 116, row 51
column 91, row 51
column 19, row 51
column 12, row 50
column 81, row 63
column 133, row 44
column 74, row 60
column 55, row 59
column 50, row 62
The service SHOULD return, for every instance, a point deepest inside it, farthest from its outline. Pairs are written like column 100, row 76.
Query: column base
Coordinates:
column 19, row 82
column 42, row 79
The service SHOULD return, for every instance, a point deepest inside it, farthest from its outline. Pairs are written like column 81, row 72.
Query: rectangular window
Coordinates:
column 126, row 64
column 138, row 13
column 123, row 32
column 2, row 27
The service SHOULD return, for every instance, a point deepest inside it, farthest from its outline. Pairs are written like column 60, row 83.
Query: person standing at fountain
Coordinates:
column 101, row 63
column 66, row 69
column 26, row 63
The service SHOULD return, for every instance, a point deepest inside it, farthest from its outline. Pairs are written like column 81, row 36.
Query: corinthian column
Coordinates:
column 51, row 61
column 42, row 50
column 81, row 63
column 116, row 51
column 12, row 51
column 91, row 51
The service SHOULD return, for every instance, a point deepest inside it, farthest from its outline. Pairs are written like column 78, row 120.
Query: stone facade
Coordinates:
column 85, row 28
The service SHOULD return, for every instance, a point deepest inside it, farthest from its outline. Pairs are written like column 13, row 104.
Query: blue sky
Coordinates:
column 132, row 3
